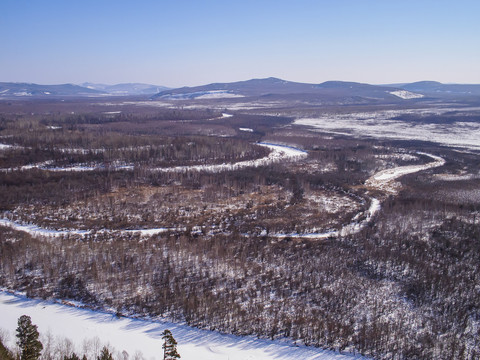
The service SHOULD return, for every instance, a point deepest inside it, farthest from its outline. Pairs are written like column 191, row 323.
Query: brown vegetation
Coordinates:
column 406, row 286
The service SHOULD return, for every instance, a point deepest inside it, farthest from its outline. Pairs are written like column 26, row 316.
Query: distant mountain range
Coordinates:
column 330, row 90
column 269, row 88
column 9, row 90
column 126, row 89
column 434, row 87
column 19, row 90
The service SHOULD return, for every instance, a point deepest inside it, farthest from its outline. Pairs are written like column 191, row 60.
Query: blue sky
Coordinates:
column 185, row 42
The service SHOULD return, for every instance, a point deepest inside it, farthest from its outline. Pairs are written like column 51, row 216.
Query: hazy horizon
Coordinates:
column 192, row 43
column 213, row 82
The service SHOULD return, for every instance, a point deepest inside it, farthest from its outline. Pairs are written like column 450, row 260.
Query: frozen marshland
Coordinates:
column 386, row 124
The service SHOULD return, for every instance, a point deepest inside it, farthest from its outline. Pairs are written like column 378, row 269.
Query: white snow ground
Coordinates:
column 381, row 124
column 384, row 177
column 134, row 335
column 35, row 230
column 406, row 95
column 5, row 146
column 203, row 95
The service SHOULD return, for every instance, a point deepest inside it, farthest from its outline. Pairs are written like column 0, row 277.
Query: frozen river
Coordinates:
column 134, row 336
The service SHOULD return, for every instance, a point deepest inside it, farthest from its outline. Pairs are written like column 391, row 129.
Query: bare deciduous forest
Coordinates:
column 233, row 252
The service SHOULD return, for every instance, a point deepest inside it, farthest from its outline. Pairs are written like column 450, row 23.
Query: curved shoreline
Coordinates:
column 131, row 334
column 379, row 181
column 277, row 154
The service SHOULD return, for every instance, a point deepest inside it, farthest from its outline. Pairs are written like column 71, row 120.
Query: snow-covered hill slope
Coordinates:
column 406, row 95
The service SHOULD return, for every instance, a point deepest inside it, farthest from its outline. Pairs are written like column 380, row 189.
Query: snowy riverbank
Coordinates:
column 278, row 154
column 383, row 180
column 133, row 335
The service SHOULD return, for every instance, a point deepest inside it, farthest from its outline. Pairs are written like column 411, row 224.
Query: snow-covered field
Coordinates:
column 133, row 335
column 380, row 124
column 404, row 94
column 203, row 95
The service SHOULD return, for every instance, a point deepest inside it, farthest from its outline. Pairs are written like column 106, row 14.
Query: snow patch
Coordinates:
column 406, row 95
column 382, row 124
column 77, row 168
column 455, row 177
column 218, row 94
column 388, row 175
column 399, row 156
column 35, row 230
column 356, row 226
column 202, row 95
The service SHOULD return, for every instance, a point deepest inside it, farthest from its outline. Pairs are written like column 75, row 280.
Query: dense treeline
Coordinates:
column 71, row 120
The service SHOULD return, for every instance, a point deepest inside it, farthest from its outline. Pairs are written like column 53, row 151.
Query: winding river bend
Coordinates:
column 278, row 154
column 132, row 334
column 383, row 181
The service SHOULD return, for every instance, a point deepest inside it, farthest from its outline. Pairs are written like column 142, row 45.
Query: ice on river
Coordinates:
column 134, row 335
